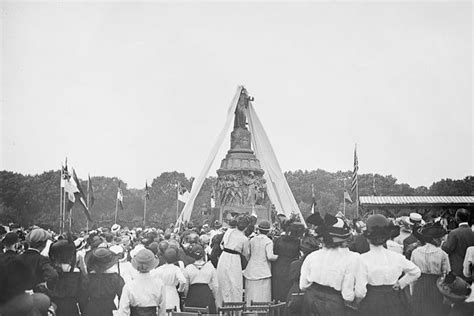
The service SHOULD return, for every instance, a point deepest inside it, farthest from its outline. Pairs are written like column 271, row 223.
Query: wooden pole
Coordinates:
column 177, row 202
column 357, row 197
column 70, row 220
column 88, row 201
column 144, row 212
column 344, row 197
column 116, row 209
column 65, row 197
column 61, row 200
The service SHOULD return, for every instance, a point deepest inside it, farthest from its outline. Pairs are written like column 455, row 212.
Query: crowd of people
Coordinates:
column 332, row 266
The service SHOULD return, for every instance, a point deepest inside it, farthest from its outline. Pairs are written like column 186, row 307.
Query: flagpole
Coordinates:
column 357, row 197
column 177, row 202
column 344, row 197
column 88, row 200
column 61, row 199
column 144, row 214
column 116, row 209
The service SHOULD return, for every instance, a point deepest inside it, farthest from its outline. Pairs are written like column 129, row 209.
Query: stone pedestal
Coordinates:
column 240, row 186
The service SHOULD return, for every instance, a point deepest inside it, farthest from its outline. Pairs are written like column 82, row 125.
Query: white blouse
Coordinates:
column 143, row 291
column 380, row 266
column 334, row 267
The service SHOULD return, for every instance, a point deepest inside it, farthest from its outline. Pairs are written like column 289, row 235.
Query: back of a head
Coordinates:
column 462, row 215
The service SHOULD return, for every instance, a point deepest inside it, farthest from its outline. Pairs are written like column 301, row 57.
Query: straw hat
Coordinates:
column 38, row 235
column 144, row 261
column 115, row 228
column 264, row 226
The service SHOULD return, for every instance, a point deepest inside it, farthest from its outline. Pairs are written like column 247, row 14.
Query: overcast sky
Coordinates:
column 135, row 89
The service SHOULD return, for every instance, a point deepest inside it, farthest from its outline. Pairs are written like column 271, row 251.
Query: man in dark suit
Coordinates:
column 458, row 241
column 40, row 266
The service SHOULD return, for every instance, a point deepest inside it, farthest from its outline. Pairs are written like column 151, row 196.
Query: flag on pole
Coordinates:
column 81, row 195
column 347, row 197
column 183, row 194
column 73, row 189
column 90, row 190
column 313, row 200
column 120, row 195
column 147, row 192
column 65, row 175
column 354, row 173
column 213, row 197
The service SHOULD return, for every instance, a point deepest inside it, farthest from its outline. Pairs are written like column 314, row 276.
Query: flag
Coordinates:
column 90, row 192
column 80, row 194
column 347, row 197
column 213, row 197
column 73, row 189
column 183, row 194
column 64, row 175
column 313, row 200
column 120, row 195
column 354, row 173
column 147, row 192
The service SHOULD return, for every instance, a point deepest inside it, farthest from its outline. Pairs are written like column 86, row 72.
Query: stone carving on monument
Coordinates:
column 240, row 186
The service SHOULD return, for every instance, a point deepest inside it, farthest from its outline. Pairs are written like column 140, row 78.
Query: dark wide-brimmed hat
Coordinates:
column 337, row 228
column 101, row 259
column 62, row 251
column 144, row 261
column 379, row 226
column 264, row 226
column 431, row 230
column 10, row 239
column 315, row 219
column 454, row 288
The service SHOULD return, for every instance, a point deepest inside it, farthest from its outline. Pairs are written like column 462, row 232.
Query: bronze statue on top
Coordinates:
column 240, row 119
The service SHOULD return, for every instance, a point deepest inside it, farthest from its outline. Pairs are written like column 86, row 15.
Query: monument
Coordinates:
column 240, row 186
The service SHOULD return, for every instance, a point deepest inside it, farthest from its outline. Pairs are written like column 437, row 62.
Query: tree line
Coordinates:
column 34, row 199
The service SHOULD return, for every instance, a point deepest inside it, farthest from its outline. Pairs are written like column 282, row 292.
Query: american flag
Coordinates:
column 313, row 200
column 354, row 173
column 120, row 195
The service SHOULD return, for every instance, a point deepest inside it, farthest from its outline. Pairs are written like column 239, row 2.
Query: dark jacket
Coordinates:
column 456, row 245
column 40, row 267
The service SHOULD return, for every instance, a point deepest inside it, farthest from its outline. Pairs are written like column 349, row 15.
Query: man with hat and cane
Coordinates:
column 258, row 273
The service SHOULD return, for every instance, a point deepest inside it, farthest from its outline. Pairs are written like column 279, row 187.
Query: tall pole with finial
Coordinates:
column 61, row 190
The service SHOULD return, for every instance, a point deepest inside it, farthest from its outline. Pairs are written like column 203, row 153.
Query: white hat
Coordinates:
column 115, row 228
column 415, row 218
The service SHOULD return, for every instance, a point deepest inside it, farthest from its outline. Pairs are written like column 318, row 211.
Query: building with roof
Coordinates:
column 427, row 206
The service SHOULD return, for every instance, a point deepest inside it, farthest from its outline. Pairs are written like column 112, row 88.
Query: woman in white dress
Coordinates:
column 172, row 277
column 229, row 267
